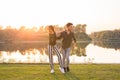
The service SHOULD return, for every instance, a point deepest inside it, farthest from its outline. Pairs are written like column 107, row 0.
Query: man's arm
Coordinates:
column 74, row 38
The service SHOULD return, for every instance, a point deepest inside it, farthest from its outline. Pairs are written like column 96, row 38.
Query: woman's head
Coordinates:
column 51, row 29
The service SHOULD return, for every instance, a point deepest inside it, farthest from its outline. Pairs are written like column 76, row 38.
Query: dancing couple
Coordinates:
column 67, row 37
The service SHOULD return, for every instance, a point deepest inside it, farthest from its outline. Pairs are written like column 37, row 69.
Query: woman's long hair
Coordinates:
column 52, row 28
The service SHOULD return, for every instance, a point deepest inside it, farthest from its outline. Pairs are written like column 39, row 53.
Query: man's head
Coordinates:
column 69, row 26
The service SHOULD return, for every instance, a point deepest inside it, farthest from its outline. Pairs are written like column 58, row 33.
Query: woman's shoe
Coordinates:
column 52, row 71
column 62, row 70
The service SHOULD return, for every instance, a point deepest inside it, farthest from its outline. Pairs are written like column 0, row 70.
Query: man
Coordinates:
column 67, row 37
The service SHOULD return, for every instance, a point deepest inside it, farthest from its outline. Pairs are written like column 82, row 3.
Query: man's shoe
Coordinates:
column 65, row 69
column 68, row 69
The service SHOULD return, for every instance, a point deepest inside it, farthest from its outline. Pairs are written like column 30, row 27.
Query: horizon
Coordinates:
column 97, row 14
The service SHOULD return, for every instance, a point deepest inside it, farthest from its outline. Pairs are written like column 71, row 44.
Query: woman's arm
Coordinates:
column 59, row 36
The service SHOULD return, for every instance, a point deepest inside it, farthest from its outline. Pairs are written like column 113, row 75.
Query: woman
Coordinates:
column 52, row 47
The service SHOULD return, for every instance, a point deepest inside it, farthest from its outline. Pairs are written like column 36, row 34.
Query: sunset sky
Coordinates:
column 97, row 14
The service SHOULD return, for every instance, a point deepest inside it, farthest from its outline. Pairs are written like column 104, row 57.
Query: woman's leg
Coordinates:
column 59, row 59
column 50, row 48
column 58, row 55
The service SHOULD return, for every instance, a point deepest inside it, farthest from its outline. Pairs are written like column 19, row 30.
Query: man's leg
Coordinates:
column 67, row 58
column 63, row 59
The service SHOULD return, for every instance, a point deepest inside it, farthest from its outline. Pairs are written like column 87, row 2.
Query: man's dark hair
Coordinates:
column 68, row 24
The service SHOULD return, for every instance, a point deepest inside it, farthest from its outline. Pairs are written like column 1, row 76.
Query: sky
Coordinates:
column 97, row 14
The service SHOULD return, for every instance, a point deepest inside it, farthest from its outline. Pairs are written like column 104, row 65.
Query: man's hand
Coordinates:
column 75, row 46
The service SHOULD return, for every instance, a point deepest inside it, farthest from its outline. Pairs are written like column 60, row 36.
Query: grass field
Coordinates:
column 42, row 72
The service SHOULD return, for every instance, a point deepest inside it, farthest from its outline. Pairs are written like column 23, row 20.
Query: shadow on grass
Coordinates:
column 66, row 76
column 55, row 76
column 71, row 76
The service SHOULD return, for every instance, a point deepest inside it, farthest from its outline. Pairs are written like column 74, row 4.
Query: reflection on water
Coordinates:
column 37, row 53
column 108, row 44
column 29, row 56
column 80, row 50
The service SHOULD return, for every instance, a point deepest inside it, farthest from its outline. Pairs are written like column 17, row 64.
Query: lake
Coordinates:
column 94, row 52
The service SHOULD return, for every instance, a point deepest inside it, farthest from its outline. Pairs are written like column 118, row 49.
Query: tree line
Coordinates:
column 34, row 34
column 107, row 35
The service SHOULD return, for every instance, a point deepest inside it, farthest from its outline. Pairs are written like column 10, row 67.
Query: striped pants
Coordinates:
column 51, row 49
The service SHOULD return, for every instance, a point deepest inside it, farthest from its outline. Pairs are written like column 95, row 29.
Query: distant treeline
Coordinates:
column 24, row 34
column 108, row 35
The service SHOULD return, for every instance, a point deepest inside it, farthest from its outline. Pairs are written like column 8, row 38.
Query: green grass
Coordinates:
column 42, row 72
